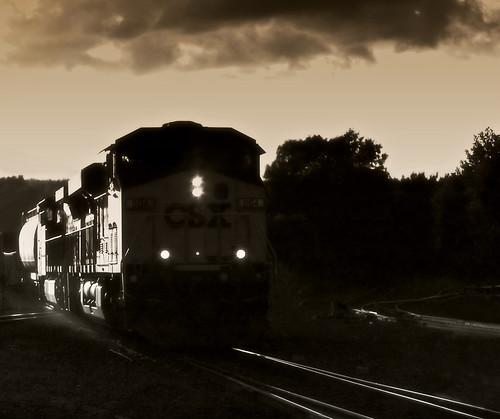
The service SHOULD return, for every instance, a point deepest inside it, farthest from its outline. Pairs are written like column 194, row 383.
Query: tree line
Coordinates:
column 336, row 213
column 16, row 195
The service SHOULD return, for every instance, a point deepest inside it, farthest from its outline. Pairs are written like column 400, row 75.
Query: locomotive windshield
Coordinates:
column 150, row 154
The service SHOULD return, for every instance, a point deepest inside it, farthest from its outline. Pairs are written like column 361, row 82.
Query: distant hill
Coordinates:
column 17, row 195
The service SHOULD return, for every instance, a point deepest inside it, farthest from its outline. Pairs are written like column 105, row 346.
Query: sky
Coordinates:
column 419, row 77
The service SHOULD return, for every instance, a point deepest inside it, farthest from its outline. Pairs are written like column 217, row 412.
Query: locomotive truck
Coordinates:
column 169, row 231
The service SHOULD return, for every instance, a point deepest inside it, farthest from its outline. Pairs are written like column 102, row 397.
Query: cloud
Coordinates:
column 188, row 34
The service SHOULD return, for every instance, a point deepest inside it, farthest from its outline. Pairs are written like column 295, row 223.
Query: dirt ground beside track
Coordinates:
column 59, row 367
column 458, row 364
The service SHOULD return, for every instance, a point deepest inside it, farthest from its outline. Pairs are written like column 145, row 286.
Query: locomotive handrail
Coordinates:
column 78, row 230
column 53, row 238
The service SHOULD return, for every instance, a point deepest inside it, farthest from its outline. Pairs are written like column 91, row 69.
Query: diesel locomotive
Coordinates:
column 169, row 231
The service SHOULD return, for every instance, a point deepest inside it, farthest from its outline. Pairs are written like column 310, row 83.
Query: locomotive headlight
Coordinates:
column 197, row 183
column 241, row 254
column 197, row 192
column 164, row 254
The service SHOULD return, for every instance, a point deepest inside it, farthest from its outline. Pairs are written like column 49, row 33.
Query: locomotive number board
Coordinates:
column 251, row 203
column 140, row 203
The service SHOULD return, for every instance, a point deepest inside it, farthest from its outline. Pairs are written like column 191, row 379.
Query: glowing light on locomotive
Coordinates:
column 197, row 183
column 240, row 253
column 165, row 254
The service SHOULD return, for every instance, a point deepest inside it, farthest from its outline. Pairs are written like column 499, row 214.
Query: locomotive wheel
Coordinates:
column 60, row 292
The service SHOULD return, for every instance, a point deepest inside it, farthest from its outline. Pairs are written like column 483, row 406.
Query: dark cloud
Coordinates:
column 190, row 34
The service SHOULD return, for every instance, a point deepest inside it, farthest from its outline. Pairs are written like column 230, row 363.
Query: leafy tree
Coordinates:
column 480, row 173
column 452, row 229
column 340, row 190
column 17, row 195
column 313, row 163
column 413, row 224
column 333, row 206
column 484, row 152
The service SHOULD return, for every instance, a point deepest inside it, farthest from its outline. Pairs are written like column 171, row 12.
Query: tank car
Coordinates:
column 169, row 232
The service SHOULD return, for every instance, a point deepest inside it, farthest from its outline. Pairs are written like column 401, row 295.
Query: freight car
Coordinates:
column 168, row 233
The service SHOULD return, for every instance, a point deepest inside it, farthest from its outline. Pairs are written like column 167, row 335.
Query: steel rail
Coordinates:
column 455, row 324
column 439, row 321
column 6, row 318
column 303, row 403
column 414, row 396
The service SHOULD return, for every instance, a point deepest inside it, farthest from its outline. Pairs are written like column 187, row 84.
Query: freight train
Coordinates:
column 169, row 231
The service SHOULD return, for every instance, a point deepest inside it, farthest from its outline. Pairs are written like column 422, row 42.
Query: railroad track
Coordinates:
column 9, row 318
column 314, row 392
column 454, row 324
column 393, row 310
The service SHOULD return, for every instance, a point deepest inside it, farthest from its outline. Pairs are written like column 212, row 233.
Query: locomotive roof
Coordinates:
column 187, row 132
